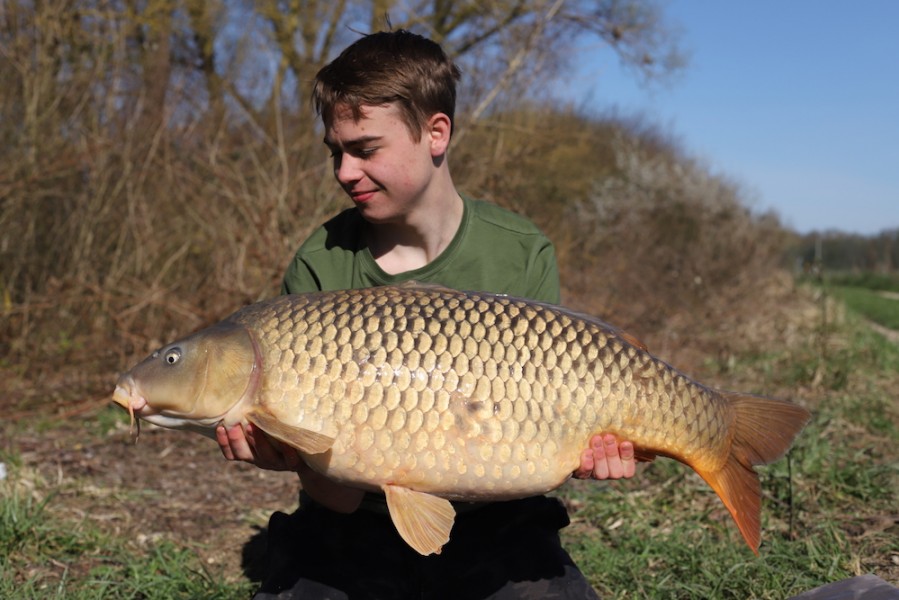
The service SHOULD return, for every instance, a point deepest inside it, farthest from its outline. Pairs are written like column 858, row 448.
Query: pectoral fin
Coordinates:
column 423, row 520
column 304, row 440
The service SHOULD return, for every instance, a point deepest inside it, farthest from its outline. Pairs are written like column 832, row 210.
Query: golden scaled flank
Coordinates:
column 429, row 395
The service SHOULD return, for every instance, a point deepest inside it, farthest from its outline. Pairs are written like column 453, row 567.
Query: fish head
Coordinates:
column 194, row 383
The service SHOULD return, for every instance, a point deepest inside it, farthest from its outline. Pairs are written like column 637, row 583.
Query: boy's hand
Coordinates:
column 255, row 447
column 607, row 459
column 252, row 446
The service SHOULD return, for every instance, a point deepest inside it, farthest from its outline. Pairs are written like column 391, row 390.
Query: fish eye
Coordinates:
column 172, row 356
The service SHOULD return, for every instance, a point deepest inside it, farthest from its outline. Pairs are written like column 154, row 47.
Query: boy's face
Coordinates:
column 381, row 167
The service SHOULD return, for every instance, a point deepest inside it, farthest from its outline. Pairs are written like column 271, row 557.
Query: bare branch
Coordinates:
column 518, row 60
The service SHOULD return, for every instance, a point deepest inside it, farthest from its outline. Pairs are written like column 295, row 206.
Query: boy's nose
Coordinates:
column 346, row 169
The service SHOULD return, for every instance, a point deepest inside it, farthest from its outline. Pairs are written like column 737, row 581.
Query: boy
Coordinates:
column 387, row 104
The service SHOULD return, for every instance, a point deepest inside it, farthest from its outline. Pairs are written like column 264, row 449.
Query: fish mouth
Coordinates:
column 125, row 397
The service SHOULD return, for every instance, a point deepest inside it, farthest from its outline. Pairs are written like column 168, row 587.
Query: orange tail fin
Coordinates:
column 764, row 429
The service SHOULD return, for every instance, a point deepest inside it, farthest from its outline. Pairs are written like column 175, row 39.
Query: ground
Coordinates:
column 166, row 485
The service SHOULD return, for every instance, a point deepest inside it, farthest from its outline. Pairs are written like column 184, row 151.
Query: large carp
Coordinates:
column 431, row 395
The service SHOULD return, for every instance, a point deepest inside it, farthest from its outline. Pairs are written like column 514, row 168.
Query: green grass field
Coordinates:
column 878, row 306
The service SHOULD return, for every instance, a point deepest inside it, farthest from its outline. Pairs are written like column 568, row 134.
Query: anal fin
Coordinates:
column 305, row 440
column 423, row 520
column 644, row 455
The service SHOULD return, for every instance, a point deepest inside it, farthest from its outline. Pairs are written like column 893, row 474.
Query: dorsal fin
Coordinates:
column 631, row 339
column 413, row 284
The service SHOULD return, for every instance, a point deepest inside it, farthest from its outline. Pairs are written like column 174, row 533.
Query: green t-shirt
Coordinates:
column 494, row 250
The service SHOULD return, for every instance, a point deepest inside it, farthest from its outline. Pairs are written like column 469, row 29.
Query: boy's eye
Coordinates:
column 363, row 153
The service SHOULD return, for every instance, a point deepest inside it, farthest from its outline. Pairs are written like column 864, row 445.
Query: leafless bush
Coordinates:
column 663, row 241
column 151, row 238
column 136, row 230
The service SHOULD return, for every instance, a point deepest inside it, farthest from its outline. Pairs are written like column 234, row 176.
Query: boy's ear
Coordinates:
column 438, row 130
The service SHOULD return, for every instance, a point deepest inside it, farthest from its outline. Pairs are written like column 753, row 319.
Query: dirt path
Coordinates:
column 890, row 334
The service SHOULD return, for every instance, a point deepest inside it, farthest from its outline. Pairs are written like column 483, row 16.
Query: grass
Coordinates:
column 870, row 304
column 674, row 541
column 44, row 556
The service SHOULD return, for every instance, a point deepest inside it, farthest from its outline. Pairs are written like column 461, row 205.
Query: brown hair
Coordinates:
column 389, row 67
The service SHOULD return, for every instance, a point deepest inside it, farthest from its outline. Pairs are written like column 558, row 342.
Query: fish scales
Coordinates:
column 430, row 394
column 524, row 368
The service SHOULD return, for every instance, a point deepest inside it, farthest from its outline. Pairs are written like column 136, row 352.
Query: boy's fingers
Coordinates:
column 613, row 458
column 626, row 450
column 600, row 456
column 240, row 448
column 585, row 469
column 619, row 458
column 221, row 436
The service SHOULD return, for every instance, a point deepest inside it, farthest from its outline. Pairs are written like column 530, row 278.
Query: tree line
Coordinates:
column 839, row 251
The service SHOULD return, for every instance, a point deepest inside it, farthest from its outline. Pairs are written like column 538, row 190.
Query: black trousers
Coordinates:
column 503, row 550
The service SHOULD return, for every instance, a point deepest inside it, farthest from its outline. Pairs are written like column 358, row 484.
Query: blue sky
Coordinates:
column 796, row 100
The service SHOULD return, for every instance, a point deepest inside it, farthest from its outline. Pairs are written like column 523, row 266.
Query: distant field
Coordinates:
column 879, row 306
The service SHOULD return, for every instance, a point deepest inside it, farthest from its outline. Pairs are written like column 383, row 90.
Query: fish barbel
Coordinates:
column 431, row 395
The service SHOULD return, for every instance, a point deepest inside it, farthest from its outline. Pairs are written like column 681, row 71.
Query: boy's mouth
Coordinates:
column 362, row 197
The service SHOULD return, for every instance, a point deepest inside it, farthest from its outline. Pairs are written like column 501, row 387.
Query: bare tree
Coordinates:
column 239, row 61
column 499, row 43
